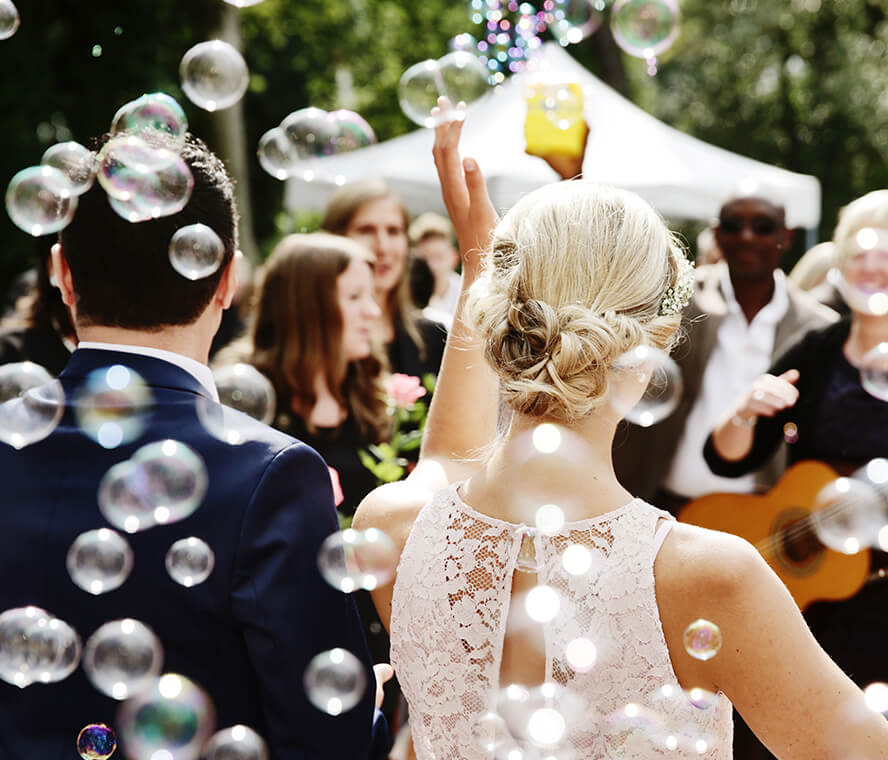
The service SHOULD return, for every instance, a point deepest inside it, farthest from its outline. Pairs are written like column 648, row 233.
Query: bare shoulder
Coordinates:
column 393, row 507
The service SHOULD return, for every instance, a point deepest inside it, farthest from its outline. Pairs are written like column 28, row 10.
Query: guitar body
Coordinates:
column 810, row 570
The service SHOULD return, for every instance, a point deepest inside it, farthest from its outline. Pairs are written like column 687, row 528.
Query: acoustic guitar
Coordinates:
column 780, row 524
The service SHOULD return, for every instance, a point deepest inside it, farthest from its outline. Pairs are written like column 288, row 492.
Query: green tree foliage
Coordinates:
column 799, row 83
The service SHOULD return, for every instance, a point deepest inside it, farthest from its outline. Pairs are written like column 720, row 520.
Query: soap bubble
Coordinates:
column 190, row 561
column 353, row 559
column 458, row 76
column 658, row 374
column 848, row 513
column 99, row 561
column 122, row 658
column 581, row 654
column 170, row 720
column 96, row 741
column 645, row 28
column 541, row 717
column 277, row 154
column 245, row 388
column 865, row 300
column 352, row 131
column 112, row 405
column 225, row 424
column 464, row 42
column 562, row 105
column 335, row 681
column 14, row 625
column 573, row 20
column 154, row 112
column 577, row 559
column 243, row 3
column 637, row 719
column 9, row 19
column 77, row 163
column 546, row 438
column 36, row 647
column 311, row 132
column 154, row 181
column 40, row 200
column 214, row 75
column 196, row 251
column 702, row 639
column 129, row 210
column 162, row 483
column 874, row 372
column 526, row 559
column 236, row 743
column 32, row 403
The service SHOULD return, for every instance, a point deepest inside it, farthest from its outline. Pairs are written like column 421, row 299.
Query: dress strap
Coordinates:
column 662, row 531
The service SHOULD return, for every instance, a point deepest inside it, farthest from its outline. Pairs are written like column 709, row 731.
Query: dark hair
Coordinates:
column 422, row 281
column 121, row 270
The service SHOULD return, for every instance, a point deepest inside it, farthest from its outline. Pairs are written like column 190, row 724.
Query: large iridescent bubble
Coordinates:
column 458, row 76
column 97, row 741
column 645, row 28
column 335, row 681
column 196, row 251
column 245, row 388
column 31, row 403
column 112, row 404
column 40, row 200
column 214, row 75
column 171, row 719
column 154, row 112
column 277, row 154
column 311, row 132
column 236, row 743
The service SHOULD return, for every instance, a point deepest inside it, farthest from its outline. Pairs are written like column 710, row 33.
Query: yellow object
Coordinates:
column 554, row 122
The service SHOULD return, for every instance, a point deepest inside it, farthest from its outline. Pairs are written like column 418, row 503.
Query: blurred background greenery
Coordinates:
column 797, row 83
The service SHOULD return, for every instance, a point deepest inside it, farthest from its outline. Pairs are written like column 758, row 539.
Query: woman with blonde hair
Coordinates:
column 312, row 336
column 538, row 608
column 370, row 212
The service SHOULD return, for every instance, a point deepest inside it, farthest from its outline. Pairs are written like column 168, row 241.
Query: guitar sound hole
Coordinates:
column 798, row 542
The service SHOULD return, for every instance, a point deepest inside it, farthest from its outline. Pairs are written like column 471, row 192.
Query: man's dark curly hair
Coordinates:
column 121, row 270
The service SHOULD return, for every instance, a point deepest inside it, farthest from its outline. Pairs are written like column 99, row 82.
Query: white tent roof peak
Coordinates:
column 682, row 177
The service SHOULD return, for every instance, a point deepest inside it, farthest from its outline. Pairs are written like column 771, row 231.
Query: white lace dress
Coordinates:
column 609, row 691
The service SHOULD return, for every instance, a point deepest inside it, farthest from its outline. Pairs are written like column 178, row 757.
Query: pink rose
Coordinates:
column 338, row 496
column 404, row 390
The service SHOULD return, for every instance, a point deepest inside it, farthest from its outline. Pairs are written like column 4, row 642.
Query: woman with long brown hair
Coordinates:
column 312, row 337
column 370, row 212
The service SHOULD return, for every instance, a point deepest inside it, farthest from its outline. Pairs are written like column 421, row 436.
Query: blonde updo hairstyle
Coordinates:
column 574, row 278
column 870, row 210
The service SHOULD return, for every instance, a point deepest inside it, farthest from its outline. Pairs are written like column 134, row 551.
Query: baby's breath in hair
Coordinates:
column 677, row 296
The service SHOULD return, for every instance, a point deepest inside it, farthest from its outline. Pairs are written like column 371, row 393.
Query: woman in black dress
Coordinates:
column 370, row 212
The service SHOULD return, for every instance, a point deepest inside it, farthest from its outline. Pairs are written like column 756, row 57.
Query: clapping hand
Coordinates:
column 463, row 188
column 768, row 395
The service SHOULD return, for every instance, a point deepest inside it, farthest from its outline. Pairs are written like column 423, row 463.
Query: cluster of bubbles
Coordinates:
column 214, row 75
column 161, row 483
column 97, row 741
column 660, row 377
column 459, row 76
column 36, row 647
column 311, row 133
column 9, row 19
column 354, row 559
column 37, row 403
column 851, row 513
column 335, row 681
column 122, row 658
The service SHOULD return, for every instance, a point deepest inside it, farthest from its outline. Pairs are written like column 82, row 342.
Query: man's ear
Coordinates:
column 60, row 275
column 228, row 283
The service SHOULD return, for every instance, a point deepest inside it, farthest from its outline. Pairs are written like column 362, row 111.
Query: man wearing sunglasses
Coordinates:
column 743, row 315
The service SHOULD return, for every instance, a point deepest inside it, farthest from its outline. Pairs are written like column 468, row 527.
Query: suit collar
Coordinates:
column 155, row 372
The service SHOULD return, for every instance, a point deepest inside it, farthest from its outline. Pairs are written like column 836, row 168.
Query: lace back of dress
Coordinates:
column 609, row 689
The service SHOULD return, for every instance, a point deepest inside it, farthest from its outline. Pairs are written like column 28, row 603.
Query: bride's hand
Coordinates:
column 464, row 191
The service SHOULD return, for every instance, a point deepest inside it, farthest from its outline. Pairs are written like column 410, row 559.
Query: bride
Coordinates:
column 539, row 610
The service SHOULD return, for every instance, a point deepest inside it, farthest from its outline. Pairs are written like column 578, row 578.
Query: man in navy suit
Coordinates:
column 245, row 635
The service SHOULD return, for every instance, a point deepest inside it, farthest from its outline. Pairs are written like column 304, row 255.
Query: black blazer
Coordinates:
column 245, row 635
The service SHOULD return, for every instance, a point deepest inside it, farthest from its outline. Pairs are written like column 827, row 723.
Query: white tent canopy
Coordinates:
column 682, row 177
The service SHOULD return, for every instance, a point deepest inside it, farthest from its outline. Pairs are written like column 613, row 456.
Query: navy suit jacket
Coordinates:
column 245, row 635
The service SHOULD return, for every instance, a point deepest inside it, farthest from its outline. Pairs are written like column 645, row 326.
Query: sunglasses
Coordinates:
column 761, row 226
